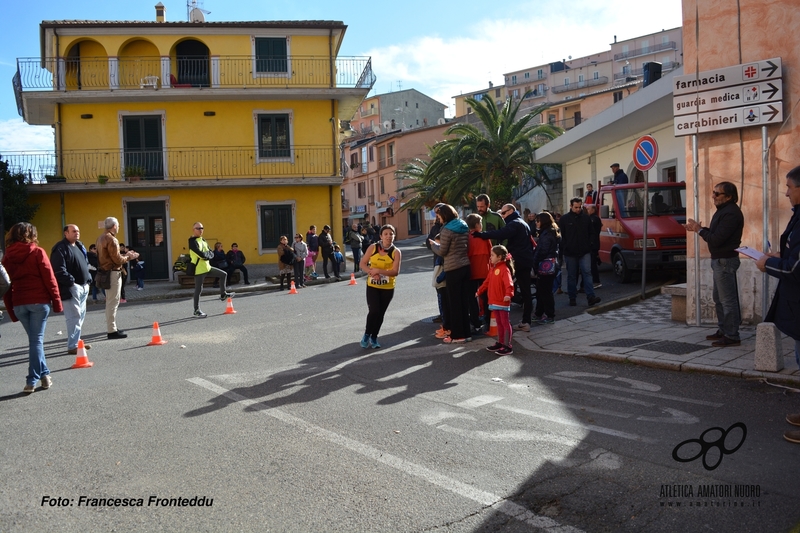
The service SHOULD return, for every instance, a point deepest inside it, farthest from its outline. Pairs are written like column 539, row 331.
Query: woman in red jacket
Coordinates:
column 33, row 294
column 500, row 286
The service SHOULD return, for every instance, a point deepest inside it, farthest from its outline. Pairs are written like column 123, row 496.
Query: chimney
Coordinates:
column 615, row 39
column 161, row 12
column 491, row 85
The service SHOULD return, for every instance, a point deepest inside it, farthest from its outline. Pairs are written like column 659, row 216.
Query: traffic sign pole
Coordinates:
column 645, row 155
column 644, row 232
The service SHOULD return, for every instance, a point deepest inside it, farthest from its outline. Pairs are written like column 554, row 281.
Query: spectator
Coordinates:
column 312, row 241
column 236, row 261
column 724, row 236
column 200, row 267
column 33, row 294
column 440, row 284
column 220, row 261
column 112, row 260
column 591, row 195
column 71, row 268
column 576, row 249
column 595, row 229
column 620, row 178
column 546, row 250
column 338, row 256
column 355, row 239
column 123, row 250
column 326, row 248
column 479, row 252
column 137, row 273
column 454, row 248
column 491, row 220
column 301, row 252
column 499, row 285
column 517, row 235
column 286, row 261
column 91, row 256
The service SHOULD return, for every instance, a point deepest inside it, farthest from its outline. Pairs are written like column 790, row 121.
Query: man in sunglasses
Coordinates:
column 723, row 236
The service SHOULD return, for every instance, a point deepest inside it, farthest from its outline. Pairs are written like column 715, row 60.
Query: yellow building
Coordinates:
column 161, row 124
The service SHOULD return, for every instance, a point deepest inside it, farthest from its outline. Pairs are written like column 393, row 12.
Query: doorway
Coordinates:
column 147, row 235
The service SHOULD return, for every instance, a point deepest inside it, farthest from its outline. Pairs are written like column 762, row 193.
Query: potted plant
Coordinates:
column 102, row 180
column 134, row 172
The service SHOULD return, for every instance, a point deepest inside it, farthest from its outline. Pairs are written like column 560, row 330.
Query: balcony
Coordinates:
column 671, row 45
column 43, row 82
column 568, row 123
column 369, row 112
column 602, row 80
column 170, row 164
column 637, row 72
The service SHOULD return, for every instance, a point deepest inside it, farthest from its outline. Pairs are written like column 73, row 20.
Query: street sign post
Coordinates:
column 645, row 155
column 734, row 97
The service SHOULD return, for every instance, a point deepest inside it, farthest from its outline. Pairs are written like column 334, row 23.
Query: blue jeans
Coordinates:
column 356, row 257
column 34, row 319
column 726, row 296
column 583, row 262
column 75, row 313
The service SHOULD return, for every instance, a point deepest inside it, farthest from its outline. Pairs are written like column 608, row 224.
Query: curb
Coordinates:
column 628, row 300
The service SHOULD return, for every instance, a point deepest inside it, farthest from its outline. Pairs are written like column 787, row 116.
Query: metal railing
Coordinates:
column 602, row 80
column 238, row 72
column 369, row 112
column 671, row 45
column 636, row 72
column 173, row 164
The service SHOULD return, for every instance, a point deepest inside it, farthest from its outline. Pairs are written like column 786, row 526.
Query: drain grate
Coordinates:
column 624, row 343
column 673, row 347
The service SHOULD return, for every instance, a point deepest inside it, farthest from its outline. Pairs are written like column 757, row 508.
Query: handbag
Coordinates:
column 103, row 279
column 547, row 267
column 223, row 265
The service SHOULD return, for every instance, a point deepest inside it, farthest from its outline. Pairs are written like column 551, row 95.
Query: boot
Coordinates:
column 282, row 276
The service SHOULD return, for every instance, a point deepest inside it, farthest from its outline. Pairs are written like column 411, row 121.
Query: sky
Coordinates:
column 441, row 48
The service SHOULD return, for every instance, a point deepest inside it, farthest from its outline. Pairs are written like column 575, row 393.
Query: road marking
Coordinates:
column 574, row 423
column 407, row 371
column 675, row 417
column 478, row 401
column 585, row 408
column 612, row 397
column 482, row 497
column 633, row 391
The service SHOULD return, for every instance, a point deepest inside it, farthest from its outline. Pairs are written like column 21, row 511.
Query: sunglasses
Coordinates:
column 201, row 227
column 715, row 193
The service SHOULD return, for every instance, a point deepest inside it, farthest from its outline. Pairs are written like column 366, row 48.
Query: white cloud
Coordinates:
column 442, row 67
column 17, row 136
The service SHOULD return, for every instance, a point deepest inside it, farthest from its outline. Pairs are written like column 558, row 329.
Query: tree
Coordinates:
column 14, row 199
column 494, row 157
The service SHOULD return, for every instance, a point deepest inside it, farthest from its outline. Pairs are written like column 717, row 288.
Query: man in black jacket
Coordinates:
column 71, row 267
column 517, row 235
column 786, row 267
column 723, row 236
column 576, row 249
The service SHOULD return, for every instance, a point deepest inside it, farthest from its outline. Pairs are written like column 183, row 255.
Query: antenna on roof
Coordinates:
column 194, row 13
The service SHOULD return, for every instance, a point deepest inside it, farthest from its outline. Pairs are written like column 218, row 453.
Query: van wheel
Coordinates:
column 621, row 270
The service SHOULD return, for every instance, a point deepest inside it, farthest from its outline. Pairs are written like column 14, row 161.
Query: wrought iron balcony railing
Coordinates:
column 671, row 45
column 602, row 80
column 172, row 164
column 238, row 72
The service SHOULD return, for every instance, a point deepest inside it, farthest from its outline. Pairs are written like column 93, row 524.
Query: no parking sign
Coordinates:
column 645, row 153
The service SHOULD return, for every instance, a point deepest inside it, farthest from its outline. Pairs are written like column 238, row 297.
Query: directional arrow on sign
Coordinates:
column 771, row 91
column 772, row 112
column 771, row 68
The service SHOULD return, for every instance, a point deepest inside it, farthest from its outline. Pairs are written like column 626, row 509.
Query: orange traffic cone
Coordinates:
column 230, row 310
column 492, row 328
column 156, row 340
column 352, row 279
column 292, row 289
column 82, row 360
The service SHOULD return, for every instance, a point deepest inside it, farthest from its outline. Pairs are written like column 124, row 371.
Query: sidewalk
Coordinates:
column 644, row 334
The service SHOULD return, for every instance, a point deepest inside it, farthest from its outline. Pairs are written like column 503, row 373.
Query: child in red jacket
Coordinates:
column 500, row 286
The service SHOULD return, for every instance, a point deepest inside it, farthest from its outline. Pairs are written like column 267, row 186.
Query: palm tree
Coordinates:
column 493, row 157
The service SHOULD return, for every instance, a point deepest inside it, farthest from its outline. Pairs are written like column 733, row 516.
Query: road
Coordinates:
column 277, row 420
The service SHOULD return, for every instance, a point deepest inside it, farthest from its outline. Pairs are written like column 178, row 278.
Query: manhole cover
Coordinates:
column 624, row 343
column 675, row 348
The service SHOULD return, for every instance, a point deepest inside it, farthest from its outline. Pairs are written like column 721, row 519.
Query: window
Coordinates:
column 353, row 160
column 514, row 80
column 142, row 146
column 361, row 189
column 527, row 75
column 406, row 103
column 273, row 136
column 596, row 75
column 626, row 69
column 646, row 47
column 371, row 154
column 381, row 157
column 664, row 39
column 540, row 89
column 566, row 81
column 540, row 74
column 383, row 188
column 416, row 105
column 625, row 49
column 274, row 220
column 271, row 55
column 580, row 78
column 364, row 168
column 497, row 93
column 617, row 96
column 390, row 160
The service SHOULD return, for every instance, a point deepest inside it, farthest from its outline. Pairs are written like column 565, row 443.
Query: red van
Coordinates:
column 622, row 211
